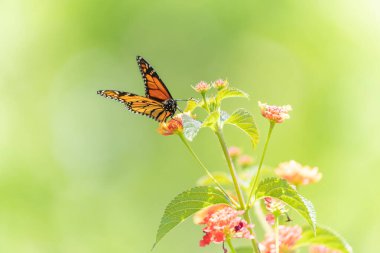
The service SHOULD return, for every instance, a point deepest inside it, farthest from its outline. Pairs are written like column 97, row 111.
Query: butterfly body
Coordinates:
column 157, row 104
column 170, row 105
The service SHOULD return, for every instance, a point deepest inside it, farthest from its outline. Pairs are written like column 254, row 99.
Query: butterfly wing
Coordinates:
column 154, row 86
column 138, row 104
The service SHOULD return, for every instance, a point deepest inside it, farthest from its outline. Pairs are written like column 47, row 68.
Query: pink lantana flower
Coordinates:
column 173, row 126
column 234, row 152
column 322, row 249
column 297, row 174
column 202, row 87
column 288, row 237
column 222, row 222
column 220, row 84
column 275, row 206
column 276, row 114
column 270, row 218
column 245, row 161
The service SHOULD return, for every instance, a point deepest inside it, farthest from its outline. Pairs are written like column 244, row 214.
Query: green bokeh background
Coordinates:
column 81, row 174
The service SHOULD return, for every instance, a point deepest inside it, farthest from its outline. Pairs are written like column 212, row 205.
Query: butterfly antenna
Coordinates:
column 193, row 99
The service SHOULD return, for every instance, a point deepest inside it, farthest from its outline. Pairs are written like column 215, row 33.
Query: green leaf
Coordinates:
column 229, row 93
column 223, row 178
column 282, row 190
column 324, row 236
column 190, row 126
column 191, row 105
column 211, row 121
column 244, row 120
column 186, row 204
column 243, row 250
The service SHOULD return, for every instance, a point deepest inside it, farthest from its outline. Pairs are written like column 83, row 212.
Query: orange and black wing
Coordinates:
column 138, row 104
column 154, row 86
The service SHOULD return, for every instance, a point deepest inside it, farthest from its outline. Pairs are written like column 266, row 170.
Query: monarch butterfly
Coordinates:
column 157, row 104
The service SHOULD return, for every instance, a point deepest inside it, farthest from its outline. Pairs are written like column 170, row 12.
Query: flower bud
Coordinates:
column 245, row 161
column 202, row 87
column 220, row 84
column 234, row 152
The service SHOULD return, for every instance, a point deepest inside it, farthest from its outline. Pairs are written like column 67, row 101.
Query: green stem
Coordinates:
column 233, row 173
column 230, row 245
column 238, row 190
column 183, row 139
column 271, row 126
column 205, row 102
column 276, row 234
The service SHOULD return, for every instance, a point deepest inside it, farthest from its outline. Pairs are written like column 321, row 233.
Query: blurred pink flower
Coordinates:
column 321, row 249
column 201, row 87
column 288, row 236
column 245, row 161
column 270, row 218
column 234, row 151
column 275, row 113
column 297, row 174
column 220, row 84
column 222, row 222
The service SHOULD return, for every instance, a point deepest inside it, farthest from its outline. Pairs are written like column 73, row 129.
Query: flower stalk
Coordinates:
column 231, row 167
column 230, row 245
column 238, row 190
column 254, row 185
column 205, row 102
column 276, row 235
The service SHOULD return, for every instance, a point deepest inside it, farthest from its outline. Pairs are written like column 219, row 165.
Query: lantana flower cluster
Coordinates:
column 297, row 174
column 275, row 208
column 173, row 126
column 277, row 114
column 222, row 223
column 321, row 249
column 202, row 87
column 288, row 237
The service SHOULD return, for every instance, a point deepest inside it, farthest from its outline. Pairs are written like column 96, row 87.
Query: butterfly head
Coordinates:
column 170, row 105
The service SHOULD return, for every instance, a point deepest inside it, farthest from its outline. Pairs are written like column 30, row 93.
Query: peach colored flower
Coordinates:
column 222, row 222
column 220, row 84
column 202, row 87
column 234, row 152
column 322, row 249
column 288, row 236
column 245, row 161
column 297, row 174
column 275, row 206
column 275, row 113
column 173, row 126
